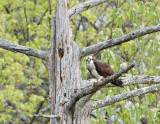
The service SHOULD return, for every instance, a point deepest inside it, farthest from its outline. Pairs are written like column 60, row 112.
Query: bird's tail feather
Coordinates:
column 118, row 82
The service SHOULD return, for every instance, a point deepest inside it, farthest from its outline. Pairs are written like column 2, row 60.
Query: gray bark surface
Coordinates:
column 123, row 96
column 66, row 67
column 127, row 81
column 116, row 41
column 84, row 6
column 7, row 45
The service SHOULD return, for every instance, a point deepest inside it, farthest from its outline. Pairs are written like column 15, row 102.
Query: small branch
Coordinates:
column 25, row 13
column 123, row 96
column 116, row 41
column 95, row 87
column 47, row 116
column 7, row 45
column 39, row 22
column 92, row 24
column 50, row 12
column 84, row 6
column 47, row 108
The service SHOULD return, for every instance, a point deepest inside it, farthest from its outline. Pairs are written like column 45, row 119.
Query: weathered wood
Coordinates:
column 51, row 71
column 90, row 89
column 116, row 41
column 7, row 45
column 65, row 72
column 130, row 80
column 84, row 6
column 111, row 100
column 67, row 96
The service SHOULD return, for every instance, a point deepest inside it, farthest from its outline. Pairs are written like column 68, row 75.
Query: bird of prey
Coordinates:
column 100, row 69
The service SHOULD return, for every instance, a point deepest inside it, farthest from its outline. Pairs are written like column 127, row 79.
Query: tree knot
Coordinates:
column 60, row 52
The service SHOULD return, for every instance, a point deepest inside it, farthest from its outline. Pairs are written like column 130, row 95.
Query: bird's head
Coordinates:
column 89, row 59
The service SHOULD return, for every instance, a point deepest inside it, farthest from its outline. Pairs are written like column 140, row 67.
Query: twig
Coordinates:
column 25, row 13
column 39, row 22
column 50, row 12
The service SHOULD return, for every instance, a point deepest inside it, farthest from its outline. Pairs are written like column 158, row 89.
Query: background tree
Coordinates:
column 24, row 80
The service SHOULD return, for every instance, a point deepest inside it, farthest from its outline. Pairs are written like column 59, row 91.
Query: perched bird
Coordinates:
column 98, row 69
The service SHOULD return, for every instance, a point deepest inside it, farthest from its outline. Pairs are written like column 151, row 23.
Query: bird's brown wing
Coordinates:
column 103, row 68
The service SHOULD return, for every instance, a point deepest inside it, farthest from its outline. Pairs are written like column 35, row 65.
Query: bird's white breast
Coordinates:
column 92, row 68
column 90, row 65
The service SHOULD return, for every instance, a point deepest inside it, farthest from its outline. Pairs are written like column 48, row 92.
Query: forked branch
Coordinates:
column 116, row 41
column 7, row 45
column 95, row 87
column 123, row 96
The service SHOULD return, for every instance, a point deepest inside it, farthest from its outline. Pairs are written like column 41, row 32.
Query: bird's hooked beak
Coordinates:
column 89, row 59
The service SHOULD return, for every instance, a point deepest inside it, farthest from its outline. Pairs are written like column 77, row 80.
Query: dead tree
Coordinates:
column 69, row 94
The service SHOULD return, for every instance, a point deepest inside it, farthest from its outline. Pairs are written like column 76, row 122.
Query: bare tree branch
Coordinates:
column 47, row 116
column 25, row 14
column 84, row 6
column 95, row 87
column 116, row 41
column 39, row 22
column 127, row 81
column 47, row 108
column 123, row 96
column 92, row 24
column 140, row 79
column 7, row 45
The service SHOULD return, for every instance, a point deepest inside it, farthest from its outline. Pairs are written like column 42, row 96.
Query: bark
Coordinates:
column 84, row 6
column 47, row 116
column 68, row 98
column 116, row 41
column 64, row 67
column 91, row 89
column 7, row 45
column 127, row 81
column 111, row 100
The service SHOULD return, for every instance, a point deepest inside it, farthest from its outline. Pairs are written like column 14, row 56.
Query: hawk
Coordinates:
column 100, row 69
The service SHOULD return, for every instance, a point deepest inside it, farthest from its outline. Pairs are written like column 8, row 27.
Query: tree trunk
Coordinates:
column 64, row 67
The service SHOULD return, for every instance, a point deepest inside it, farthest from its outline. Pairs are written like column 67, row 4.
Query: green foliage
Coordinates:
column 24, row 79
